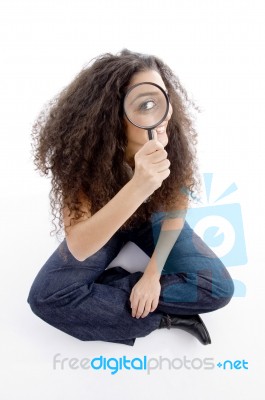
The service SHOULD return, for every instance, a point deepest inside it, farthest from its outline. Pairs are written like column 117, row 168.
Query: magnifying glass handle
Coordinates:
column 150, row 134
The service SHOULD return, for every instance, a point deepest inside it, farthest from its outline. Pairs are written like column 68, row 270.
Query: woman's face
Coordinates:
column 137, row 137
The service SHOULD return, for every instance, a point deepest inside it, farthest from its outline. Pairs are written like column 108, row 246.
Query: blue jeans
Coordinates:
column 88, row 302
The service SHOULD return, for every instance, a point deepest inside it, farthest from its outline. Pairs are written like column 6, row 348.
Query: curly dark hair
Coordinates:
column 80, row 136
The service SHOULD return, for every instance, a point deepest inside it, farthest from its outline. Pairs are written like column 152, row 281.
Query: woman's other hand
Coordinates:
column 151, row 166
column 145, row 294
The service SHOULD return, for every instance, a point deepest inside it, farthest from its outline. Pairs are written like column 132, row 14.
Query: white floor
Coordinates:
column 29, row 345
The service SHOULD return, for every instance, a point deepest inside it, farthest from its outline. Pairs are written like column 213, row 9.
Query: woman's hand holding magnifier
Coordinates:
column 151, row 165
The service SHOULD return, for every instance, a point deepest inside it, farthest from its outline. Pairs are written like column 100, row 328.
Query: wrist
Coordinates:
column 152, row 271
column 140, row 190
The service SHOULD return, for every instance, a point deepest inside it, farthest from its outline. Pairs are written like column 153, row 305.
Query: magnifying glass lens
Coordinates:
column 146, row 105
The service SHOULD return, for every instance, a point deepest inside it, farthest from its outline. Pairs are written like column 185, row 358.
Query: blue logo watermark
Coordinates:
column 221, row 228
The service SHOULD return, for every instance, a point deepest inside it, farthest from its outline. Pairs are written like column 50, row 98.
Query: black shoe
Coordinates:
column 189, row 323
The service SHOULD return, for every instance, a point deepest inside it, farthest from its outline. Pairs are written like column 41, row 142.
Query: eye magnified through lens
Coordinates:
column 146, row 105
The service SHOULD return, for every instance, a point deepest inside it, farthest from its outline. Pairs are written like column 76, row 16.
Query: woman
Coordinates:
column 111, row 184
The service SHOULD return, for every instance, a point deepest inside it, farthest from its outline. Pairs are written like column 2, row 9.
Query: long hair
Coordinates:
column 80, row 137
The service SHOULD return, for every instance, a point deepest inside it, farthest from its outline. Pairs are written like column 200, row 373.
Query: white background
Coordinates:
column 217, row 50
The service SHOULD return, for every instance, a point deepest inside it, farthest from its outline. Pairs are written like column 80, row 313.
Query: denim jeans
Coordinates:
column 84, row 300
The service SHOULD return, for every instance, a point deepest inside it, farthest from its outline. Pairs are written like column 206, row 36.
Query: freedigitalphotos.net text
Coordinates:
column 144, row 363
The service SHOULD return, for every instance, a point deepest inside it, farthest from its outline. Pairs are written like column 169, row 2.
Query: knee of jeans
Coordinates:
column 35, row 304
column 223, row 292
column 44, row 299
column 36, row 301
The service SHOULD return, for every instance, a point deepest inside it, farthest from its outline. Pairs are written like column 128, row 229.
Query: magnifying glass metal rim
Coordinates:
column 167, row 107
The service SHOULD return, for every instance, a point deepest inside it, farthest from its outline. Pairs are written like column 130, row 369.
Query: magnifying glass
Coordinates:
column 146, row 105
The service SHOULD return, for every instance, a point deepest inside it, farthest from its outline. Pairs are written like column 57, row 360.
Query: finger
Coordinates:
column 132, row 300
column 162, row 166
column 140, row 308
column 154, row 305
column 134, row 309
column 131, row 296
column 134, row 306
column 147, row 309
column 151, row 147
column 158, row 155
